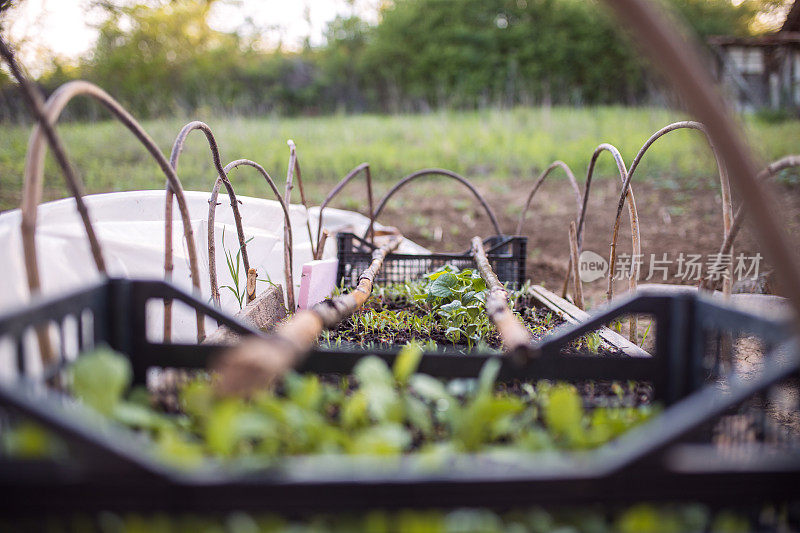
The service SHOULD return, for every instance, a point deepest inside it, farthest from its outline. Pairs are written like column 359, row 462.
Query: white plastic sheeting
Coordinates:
column 130, row 227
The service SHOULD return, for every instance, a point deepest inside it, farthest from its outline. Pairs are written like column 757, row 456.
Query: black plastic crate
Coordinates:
column 670, row 458
column 506, row 254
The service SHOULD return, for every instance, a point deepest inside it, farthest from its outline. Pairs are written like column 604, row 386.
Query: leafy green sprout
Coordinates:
column 459, row 298
column 646, row 333
column 379, row 410
column 234, row 266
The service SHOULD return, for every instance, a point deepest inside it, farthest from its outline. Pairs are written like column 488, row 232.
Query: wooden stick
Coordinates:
column 574, row 259
column 727, row 245
column 690, row 76
column 432, row 172
column 572, row 181
column 258, row 363
column 287, row 230
column 336, row 190
column 727, row 208
column 34, row 175
column 177, row 148
column 252, row 276
column 634, row 216
column 565, row 285
column 294, row 169
column 323, row 238
column 36, row 105
column 514, row 334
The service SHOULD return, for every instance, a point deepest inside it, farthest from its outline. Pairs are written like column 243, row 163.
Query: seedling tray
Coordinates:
column 669, row 458
column 506, row 254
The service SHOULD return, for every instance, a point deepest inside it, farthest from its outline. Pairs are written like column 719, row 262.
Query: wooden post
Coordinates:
column 574, row 261
column 252, row 276
column 514, row 334
column 258, row 363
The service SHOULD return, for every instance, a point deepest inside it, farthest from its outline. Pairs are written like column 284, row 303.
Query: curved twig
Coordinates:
column 37, row 107
column 34, row 170
column 634, row 217
column 727, row 245
column 35, row 103
column 212, row 208
column 433, row 172
column 576, row 189
column 689, row 75
column 336, row 190
column 727, row 208
column 294, row 168
column 177, row 148
column 554, row 165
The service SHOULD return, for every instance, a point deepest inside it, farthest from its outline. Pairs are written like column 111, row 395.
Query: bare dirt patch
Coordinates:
column 673, row 220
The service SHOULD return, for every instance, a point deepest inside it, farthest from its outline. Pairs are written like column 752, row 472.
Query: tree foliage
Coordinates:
column 162, row 57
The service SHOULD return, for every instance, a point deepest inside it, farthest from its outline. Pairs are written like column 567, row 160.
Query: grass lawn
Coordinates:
column 490, row 146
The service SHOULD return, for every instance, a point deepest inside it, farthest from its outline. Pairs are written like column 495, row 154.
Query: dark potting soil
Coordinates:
column 539, row 320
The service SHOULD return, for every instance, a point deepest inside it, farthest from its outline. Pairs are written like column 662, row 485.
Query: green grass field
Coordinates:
column 489, row 145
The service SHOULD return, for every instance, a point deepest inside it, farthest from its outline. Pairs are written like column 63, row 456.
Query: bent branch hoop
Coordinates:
column 554, row 165
column 433, row 172
column 727, row 246
column 513, row 333
column 537, row 184
column 634, row 217
column 727, row 209
column 634, row 214
column 34, row 170
column 212, row 208
column 684, row 69
column 335, row 191
column 260, row 362
column 36, row 105
column 177, row 149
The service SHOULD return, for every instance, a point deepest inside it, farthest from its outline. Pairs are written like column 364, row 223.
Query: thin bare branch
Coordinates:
column 336, row 190
column 287, row 230
column 689, row 75
column 34, row 170
column 554, row 165
column 434, row 172
column 322, row 240
column 177, row 149
column 725, row 188
column 36, row 105
column 634, row 217
column 727, row 245
column 296, row 167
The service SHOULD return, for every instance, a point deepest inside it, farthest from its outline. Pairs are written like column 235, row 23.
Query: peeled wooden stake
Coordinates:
column 513, row 333
column 574, row 262
column 258, row 363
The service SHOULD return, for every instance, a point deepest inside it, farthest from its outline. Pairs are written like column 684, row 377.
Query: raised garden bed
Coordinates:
column 410, row 305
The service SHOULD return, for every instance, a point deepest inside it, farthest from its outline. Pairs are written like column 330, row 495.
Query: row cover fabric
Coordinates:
column 130, row 228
